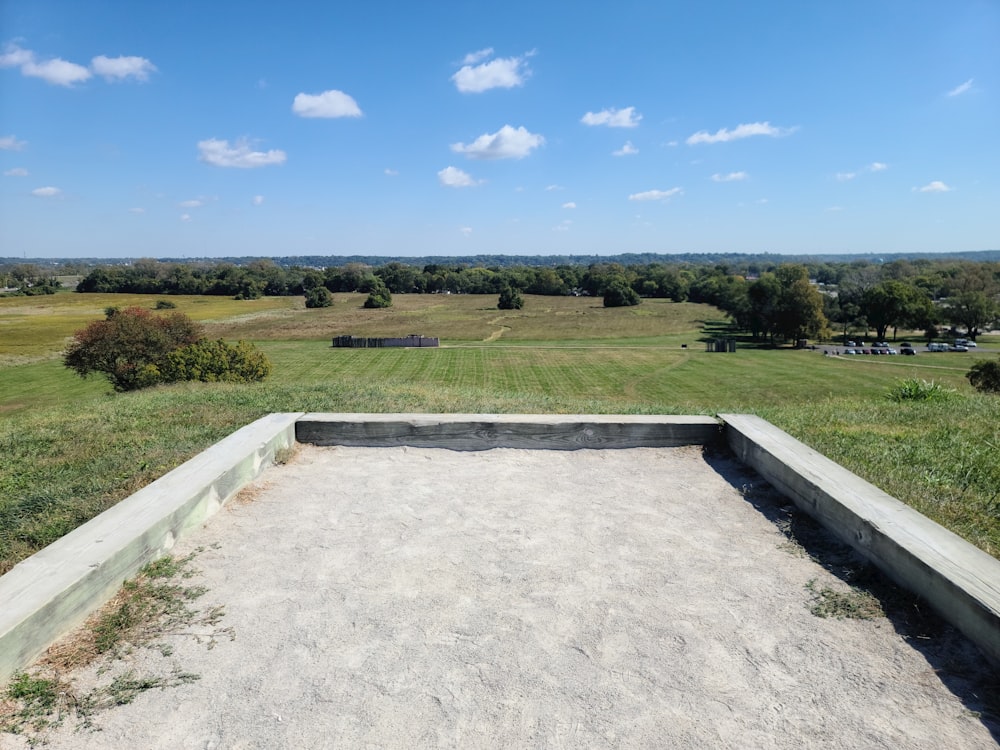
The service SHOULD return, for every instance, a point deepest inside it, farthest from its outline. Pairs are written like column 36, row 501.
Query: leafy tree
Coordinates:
column 893, row 303
column 619, row 294
column 319, row 297
column 786, row 305
column 129, row 346
column 379, row 295
column 973, row 311
column 985, row 376
column 510, row 299
column 216, row 361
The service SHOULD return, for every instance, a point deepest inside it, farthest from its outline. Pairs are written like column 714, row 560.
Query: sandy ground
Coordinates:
column 622, row 598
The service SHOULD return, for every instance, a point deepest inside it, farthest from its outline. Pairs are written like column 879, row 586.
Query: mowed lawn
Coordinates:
column 71, row 447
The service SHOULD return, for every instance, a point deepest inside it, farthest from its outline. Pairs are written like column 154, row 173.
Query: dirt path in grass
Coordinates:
column 507, row 598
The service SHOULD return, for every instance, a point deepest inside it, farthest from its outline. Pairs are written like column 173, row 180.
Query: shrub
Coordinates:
column 216, row 361
column 915, row 389
column 379, row 295
column 510, row 299
column 319, row 296
column 985, row 376
column 620, row 294
column 165, row 304
column 129, row 346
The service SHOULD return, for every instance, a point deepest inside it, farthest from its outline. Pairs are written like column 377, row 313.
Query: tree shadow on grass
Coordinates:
column 955, row 660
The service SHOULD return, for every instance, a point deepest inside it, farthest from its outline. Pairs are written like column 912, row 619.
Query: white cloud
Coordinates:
column 137, row 210
column 122, row 67
column 185, row 217
column 570, row 204
column 219, row 153
column 390, row 172
column 330, row 103
column 56, row 70
column 935, row 186
column 656, row 195
column 16, row 172
column 46, row 192
column 64, row 73
column 961, row 88
column 553, row 188
column 731, row 177
column 15, row 57
column 563, row 226
column 835, row 209
column 613, row 118
column 191, row 203
column 506, row 143
column 456, row 178
column 473, row 57
column 257, row 200
column 10, row 143
column 465, row 230
column 627, row 150
column 745, row 130
column 877, row 166
column 845, row 176
column 501, row 73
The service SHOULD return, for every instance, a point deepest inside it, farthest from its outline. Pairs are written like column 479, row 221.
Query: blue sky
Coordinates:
column 155, row 129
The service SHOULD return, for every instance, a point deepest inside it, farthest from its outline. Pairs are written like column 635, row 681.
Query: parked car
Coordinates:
column 967, row 343
column 937, row 347
column 907, row 350
column 956, row 348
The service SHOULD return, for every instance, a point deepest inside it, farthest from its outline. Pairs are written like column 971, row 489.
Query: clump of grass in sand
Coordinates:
column 152, row 606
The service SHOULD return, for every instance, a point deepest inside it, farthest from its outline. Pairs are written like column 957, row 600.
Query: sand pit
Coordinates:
column 403, row 597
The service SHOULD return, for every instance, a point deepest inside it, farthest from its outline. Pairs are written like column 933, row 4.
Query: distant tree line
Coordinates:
column 776, row 301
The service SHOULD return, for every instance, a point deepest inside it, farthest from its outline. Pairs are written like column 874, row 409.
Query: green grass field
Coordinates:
column 71, row 447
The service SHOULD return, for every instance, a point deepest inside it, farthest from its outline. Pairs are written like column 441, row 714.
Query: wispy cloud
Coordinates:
column 465, row 230
column 240, row 155
column 613, row 118
column 478, row 56
column 329, row 104
column 10, row 143
column 553, row 188
column 137, row 211
column 730, row 177
column 961, row 88
column 935, row 186
column 16, row 172
column 745, row 130
column 122, row 68
column 390, row 172
column 506, row 143
column 875, row 166
column 656, row 195
column 627, row 150
column 569, row 204
column 456, row 178
column 194, row 203
column 499, row 73
column 257, row 200
column 46, row 192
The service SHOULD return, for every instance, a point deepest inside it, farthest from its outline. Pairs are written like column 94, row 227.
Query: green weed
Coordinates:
column 916, row 389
